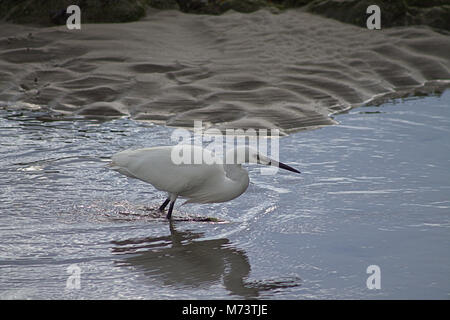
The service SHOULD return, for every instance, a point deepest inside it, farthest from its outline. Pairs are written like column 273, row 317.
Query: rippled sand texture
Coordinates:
column 288, row 70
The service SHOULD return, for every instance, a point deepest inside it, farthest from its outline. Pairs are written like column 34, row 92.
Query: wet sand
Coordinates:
column 288, row 71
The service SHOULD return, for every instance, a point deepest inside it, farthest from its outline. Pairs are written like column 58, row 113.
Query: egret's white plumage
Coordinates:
column 199, row 183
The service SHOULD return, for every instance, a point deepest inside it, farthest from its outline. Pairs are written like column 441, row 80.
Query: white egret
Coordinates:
column 199, row 183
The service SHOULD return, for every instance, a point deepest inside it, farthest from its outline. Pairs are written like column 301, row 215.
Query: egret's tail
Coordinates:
column 118, row 163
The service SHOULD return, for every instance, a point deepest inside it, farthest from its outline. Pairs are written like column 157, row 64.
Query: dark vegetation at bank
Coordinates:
column 434, row 13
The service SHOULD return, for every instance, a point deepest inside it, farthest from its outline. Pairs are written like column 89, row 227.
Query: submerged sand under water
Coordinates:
column 289, row 70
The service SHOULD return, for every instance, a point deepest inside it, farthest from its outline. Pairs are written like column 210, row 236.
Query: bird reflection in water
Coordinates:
column 181, row 259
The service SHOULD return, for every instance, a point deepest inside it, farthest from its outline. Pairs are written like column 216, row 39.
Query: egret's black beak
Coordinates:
column 286, row 167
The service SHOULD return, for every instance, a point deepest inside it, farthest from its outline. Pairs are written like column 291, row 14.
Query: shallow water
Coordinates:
column 374, row 190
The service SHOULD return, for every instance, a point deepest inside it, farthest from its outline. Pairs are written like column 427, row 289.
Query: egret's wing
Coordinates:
column 155, row 166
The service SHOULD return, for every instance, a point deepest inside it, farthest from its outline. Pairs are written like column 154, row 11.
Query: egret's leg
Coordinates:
column 169, row 214
column 164, row 205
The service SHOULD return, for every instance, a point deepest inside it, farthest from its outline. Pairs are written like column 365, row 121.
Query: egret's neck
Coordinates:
column 235, row 172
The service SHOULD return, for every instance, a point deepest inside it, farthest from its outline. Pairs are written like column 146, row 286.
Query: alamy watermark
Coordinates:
column 374, row 20
column 374, row 280
column 74, row 20
column 212, row 146
column 74, row 279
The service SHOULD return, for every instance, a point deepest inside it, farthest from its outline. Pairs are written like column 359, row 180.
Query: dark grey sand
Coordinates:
column 288, row 70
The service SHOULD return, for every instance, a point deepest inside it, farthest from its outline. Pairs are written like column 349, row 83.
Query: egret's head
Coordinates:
column 246, row 154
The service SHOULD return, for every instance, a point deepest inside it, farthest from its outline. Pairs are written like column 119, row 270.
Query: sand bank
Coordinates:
column 288, row 70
